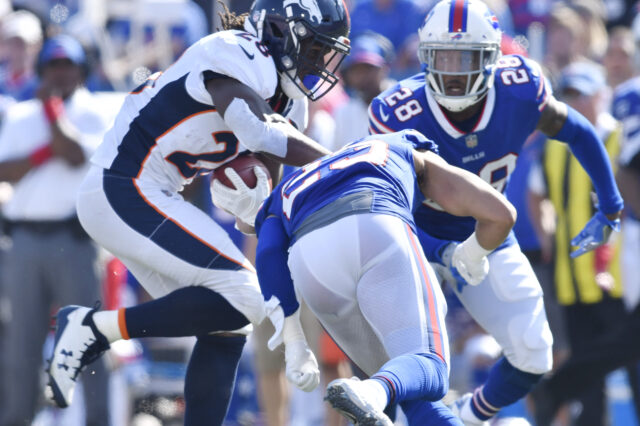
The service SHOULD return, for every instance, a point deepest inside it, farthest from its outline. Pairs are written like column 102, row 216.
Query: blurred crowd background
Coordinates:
column 587, row 49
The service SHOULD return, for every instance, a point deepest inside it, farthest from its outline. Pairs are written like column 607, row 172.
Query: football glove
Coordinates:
column 276, row 316
column 242, row 202
column 595, row 233
column 470, row 259
column 301, row 365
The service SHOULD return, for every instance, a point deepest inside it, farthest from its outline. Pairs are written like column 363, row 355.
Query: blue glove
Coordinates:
column 595, row 233
column 448, row 273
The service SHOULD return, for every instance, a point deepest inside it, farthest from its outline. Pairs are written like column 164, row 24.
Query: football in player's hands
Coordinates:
column 243, row 166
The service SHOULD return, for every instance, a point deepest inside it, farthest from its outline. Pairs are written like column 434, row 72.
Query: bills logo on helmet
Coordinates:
column 311, row 6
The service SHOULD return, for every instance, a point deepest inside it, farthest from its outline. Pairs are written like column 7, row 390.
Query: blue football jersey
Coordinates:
column 379, row 164
column 511, row 112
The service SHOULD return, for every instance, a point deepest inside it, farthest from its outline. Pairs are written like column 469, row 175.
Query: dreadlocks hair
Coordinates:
column 229, row 20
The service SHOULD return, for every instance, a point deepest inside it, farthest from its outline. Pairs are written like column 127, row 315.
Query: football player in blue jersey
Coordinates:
column 480, row 108
column 340, row 233
column 233, row 91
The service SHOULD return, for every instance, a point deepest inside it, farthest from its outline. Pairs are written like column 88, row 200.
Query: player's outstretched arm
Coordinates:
column 563, row 123
column 282, row 306
column 464, row 194
column 258, row 127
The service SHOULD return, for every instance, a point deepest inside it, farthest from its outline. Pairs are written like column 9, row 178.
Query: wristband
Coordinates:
column 472, row 248
column 53, row 108
column 41, row 155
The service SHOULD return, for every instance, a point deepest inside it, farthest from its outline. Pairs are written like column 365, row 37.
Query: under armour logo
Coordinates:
column 65, row 366
column 66, row 353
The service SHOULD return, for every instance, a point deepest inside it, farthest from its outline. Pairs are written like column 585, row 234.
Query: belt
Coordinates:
column 44, row 227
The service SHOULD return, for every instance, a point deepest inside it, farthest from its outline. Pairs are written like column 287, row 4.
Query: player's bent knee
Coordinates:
column 441, row 373
column 530, row 344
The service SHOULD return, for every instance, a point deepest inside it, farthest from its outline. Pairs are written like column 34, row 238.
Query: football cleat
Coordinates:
column 349, row 398
column 77, row 344
column 468, row 419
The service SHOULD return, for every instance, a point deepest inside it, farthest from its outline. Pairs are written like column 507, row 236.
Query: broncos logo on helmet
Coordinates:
column 310, row 6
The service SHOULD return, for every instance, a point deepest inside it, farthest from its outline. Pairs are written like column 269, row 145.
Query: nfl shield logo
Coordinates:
column 471, row 140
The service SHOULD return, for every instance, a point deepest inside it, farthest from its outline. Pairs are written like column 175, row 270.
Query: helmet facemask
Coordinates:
column 459, row 75
column 311, row 59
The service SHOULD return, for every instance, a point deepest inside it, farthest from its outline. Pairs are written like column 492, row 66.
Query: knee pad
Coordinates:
column 530, row 342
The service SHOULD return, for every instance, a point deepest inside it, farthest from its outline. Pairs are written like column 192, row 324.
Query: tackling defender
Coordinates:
column 374, row 292
column 232, row 91
column 480, row 108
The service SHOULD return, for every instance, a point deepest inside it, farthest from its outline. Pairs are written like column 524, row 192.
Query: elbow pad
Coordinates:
column 256, row 135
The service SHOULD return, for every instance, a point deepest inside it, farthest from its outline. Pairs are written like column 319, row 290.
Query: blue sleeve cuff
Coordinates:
column 432, row 246
column 590, row 151
column 271, row 263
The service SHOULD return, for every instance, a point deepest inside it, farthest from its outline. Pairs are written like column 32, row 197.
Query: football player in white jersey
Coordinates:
column 236, row 90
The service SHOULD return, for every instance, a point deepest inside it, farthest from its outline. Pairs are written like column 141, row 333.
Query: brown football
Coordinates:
column 243, row 165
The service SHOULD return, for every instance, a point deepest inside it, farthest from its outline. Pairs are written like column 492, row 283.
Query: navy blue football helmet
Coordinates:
column 308, row 40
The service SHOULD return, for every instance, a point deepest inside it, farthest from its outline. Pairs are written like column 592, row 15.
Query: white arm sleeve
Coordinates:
column 258, row 136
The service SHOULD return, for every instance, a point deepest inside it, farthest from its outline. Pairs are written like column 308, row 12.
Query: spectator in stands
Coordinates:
column 588, row 286
column 365, row 73
column 44, row 147
column 563, row 39
column 593, row 33
column 397, row 20
column 21, row 41
column 619, row 57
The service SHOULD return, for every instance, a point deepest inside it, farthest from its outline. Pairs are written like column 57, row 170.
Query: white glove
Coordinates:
column 242, row 202
column 301, row 365
column 276, row 316
column 470, row 259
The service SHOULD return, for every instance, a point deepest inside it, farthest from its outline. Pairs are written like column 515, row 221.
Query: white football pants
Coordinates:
column 508, row 305
column 367, row 280
column 166, row 242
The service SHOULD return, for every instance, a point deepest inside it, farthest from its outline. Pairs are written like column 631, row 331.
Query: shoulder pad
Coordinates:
column 393, row 109
column 242, row 56
column 419, row 141
column 522, row 78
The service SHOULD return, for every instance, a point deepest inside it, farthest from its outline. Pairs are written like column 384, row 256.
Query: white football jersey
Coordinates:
column 168, row 129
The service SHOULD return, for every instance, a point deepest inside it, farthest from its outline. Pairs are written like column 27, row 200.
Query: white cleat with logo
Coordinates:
column 77, row 344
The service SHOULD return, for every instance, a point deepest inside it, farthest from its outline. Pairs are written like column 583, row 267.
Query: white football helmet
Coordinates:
column 459, row 38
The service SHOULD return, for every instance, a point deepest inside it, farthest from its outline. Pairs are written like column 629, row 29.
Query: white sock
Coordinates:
column 466, row 413
column 378, row 392
column 107, row 323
